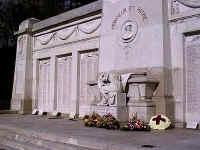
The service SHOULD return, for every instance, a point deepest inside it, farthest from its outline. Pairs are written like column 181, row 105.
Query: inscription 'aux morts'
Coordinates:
column 130, row 9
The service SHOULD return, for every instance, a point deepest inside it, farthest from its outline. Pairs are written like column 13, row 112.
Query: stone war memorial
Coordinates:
column 125, row 57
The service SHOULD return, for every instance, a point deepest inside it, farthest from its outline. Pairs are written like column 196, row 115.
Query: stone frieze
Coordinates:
column 66, row 33
column 190, row 3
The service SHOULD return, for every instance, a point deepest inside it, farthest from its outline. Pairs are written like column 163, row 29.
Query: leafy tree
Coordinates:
column 13, row 12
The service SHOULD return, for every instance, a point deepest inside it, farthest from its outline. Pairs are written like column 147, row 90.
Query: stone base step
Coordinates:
column 8, row 111
column 20, row 145
column 28, row 141
column 4, row 147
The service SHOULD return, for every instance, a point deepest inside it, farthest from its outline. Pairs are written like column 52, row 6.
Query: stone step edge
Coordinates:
column 8, row 112
column 53, row 138
column 39, row 142
column 20, row 145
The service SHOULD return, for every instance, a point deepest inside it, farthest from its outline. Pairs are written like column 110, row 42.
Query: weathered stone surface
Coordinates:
column 65, row 134
column 58, row 57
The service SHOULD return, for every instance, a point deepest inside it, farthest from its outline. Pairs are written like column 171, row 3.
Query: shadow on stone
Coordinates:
column 148, row 146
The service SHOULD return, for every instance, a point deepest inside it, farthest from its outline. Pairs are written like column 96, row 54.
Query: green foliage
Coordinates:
column 13, row 12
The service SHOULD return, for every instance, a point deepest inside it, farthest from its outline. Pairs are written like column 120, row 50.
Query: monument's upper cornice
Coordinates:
column 69, row 16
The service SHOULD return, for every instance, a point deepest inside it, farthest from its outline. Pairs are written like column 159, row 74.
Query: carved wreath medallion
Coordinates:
column 129, row 31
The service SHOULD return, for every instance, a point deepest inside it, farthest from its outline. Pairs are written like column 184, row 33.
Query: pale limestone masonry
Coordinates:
column 153, row 47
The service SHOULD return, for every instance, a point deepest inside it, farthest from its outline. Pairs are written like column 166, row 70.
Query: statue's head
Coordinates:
column 103, row 76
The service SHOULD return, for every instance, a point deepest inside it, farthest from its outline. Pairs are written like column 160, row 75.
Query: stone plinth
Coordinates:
column 140, row 93
column 141, row 87
column 119, row 112
column 143, row 110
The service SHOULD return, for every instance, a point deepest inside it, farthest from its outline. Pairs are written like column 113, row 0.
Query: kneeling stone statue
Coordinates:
column 109, row 85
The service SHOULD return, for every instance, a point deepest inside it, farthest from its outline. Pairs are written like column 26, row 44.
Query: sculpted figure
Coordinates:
column 109, row 85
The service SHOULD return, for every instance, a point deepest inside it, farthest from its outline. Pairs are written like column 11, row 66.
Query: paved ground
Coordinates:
column 75, row 133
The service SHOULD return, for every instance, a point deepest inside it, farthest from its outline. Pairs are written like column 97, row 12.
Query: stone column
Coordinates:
column 53, row 84
column 35, row 83
column 22, row 89
column 75, row 88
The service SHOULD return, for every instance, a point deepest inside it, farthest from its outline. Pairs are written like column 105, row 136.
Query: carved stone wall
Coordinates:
column 192, row 74
column 184, row 25
column 44, row 102
column 64, row 80
column 67, row 34
column 88, row 72
column 183, row 7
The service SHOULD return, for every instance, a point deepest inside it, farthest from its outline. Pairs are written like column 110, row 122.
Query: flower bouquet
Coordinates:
column 92, row 120
column 95, row 120
column 159, row 122
column 109, row 122
column 136, row 125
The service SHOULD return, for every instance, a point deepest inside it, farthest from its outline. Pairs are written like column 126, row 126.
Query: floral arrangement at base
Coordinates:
column 92, row 120
column 95, row 120
column 136, row 125
column 159, row 122
column 109, row 122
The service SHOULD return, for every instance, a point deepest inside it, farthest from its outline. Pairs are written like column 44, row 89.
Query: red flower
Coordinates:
column 158, row 119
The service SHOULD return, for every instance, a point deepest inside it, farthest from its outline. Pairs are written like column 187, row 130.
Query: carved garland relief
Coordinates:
column 64, row 34
column 190, row 3
column 181, row 6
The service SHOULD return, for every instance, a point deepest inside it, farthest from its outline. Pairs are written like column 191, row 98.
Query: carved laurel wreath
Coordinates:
column 190, row 3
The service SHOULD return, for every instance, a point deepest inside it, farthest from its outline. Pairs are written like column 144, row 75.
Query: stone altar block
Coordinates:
column 117, row 107
column 140, row 93
column 118, row 110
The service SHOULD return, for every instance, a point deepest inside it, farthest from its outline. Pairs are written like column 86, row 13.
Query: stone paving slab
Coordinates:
column 73, row 132
column 3, row 147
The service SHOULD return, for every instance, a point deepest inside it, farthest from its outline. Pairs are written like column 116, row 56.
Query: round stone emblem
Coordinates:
column 129, row 31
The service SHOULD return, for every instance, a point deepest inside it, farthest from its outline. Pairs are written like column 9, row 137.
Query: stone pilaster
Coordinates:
column 75, row 88
column 22, row 88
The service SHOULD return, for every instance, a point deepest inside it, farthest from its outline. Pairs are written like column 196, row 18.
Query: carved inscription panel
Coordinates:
column 64, row 79
column 44, row 100
column 19, row 79
column 88, row 72
column 192, row 59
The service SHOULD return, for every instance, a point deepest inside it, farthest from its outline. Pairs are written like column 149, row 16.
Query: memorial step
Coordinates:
column 19, row 145
column 21, row 141
column 4, row 147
